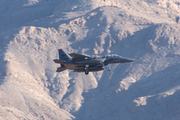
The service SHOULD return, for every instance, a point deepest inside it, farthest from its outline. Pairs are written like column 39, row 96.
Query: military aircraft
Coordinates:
column 85, row 63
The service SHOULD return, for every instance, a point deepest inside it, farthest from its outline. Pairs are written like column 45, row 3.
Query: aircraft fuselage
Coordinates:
column 83, row 63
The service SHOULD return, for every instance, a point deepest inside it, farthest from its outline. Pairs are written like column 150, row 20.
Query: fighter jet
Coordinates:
column 85, row 63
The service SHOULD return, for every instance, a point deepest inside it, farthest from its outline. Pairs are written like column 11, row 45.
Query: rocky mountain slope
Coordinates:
column 31, row 31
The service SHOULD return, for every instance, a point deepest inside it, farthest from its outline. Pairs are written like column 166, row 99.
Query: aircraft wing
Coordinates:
column 75, row 55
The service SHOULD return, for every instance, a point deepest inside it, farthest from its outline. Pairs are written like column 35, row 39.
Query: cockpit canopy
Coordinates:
column 112, row 55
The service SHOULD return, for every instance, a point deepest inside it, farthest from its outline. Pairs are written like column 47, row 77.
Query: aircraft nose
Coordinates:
column 130, row 60
column 124, row 60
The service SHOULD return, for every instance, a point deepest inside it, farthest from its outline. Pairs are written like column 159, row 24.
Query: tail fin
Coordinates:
column 64, row 56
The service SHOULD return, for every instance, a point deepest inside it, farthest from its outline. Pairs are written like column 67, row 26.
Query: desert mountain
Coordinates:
column 31, row 32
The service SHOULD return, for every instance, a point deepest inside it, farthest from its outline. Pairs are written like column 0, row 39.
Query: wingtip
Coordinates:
column 59, row 49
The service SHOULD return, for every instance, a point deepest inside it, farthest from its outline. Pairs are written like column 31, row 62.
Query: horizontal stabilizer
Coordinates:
column 59, row 61
column 60, row 69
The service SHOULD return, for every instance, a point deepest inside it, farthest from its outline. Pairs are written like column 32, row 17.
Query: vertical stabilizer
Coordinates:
column 64, row 56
